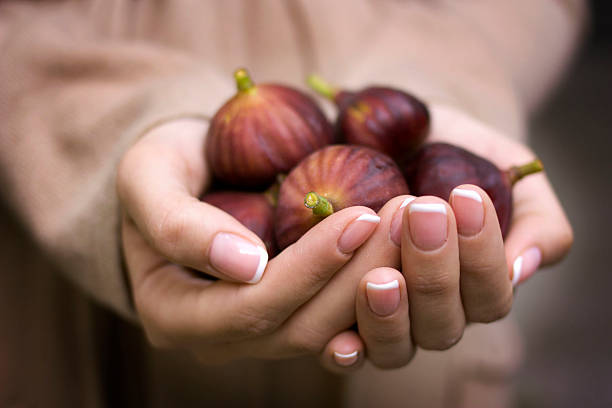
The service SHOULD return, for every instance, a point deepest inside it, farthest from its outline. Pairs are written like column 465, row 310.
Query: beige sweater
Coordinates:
column 80, row 81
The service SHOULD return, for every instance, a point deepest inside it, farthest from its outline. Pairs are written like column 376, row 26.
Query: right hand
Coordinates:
column 168, row 233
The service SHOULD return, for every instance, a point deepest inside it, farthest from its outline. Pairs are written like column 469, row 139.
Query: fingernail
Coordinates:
column 469, row 211
column 383, row 298
column 346, row 360
column 526, row 265
column 428, row 229
column 395, row 231
column 357, row 232
column 238, row 258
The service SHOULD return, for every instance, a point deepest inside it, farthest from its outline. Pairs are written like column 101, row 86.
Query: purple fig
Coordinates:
column 263, row 130
column 329, row 180
column 439, row 167
column 386, row 119
column 254, row 210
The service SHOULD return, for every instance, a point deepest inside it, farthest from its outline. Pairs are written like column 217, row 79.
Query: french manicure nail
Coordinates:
column 526, row 265
column 395, row 231
column 347, row 359
column 428, row 229
column 238, row 258
column 469, row 211
column 407, row 201
column 357, row 232
column 383, row 298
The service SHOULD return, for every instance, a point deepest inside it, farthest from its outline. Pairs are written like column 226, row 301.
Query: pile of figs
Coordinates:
column 280, row 167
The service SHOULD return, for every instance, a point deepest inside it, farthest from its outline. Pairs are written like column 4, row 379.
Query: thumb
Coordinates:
column 158, row 182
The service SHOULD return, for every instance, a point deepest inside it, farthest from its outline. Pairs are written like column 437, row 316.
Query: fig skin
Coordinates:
column 254, row 210
column 440, row 167
column 263, row 130
column 386, row 119
column 345, row 175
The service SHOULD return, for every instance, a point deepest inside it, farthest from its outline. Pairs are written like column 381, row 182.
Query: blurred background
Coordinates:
column 565, row 311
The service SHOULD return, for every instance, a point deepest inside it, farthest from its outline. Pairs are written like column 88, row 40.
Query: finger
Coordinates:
column 334, row 305
column 184, row 308
column 303, row 268
column 382, row 317
column 486, row 291
column 344, row 353
column 158, row 182
column 540, row 233
column 430, row 262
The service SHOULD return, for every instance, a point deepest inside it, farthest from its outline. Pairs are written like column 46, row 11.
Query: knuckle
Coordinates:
column 256, row 323
column 316, row 276
column 482, row 268
column 433, row 286
column 389, row 336
column 303, row 340
column 167, row 233
column 315, row 271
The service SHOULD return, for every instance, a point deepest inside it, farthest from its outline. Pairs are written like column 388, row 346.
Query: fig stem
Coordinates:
column 271, row 193
column 318, row 204
column 322, row 87
column 516, row 173
column 243, row 80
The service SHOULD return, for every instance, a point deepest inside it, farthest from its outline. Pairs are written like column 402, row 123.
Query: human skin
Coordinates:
column 423, row 293
column 423, row 289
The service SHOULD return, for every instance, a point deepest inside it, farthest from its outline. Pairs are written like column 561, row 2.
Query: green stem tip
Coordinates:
column 318, row 204
column 322, row 87
column 518, row 172
column 243, row 80
column 271, row 193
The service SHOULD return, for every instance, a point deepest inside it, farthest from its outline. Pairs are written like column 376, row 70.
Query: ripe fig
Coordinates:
column 439, row 167
column 329, row 180
column 254, row 210
column 386, row 119
column 263, row 130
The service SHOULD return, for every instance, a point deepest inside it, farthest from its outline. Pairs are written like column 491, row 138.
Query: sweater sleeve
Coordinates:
column 73, row 97
column 492, row 59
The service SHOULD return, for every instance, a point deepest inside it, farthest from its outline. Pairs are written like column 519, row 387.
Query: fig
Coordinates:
column 383, row 118
column 440, row 167
column 330, row 179
column 263, row 130
column 254, row 210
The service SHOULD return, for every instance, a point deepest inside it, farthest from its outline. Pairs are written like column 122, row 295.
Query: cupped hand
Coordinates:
column 456, row 267
column 170, row 237
column 441, row 288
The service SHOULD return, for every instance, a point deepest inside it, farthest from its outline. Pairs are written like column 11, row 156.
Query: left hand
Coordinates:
column 456, row 267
